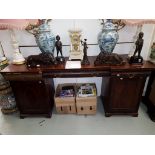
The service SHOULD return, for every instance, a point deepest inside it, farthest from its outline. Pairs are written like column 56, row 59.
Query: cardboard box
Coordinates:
column 86, row 105
column 65, row 105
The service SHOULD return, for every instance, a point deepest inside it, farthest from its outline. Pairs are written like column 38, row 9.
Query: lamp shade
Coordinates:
column 18, row 24
column 134, row 22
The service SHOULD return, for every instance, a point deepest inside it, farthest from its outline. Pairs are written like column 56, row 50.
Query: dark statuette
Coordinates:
column 58, row 45
column 43, row 59
column 85, row 60
column 139, row 44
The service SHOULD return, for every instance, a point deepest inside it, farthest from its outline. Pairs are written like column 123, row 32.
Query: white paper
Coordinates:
column 73, row 64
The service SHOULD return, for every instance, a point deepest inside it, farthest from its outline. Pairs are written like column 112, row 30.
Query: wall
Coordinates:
column 90, row 29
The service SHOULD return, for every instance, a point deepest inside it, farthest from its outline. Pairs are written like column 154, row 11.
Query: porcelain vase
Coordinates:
column 45, row 39
column 108, row 37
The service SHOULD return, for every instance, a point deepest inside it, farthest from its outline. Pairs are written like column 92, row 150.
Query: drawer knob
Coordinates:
column 131, row 76
column 121, row 78
column 40, row 82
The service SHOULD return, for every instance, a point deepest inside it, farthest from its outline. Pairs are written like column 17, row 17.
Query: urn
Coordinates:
column 108, row 37
column 45, row 38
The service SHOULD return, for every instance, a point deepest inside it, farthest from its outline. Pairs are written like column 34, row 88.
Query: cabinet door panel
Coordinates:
column 125, row 93
column 152, row 93
column 31, row 96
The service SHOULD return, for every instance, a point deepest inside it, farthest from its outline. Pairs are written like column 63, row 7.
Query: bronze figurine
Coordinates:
column 85, row 60
column 58, row 45
column 139, row 44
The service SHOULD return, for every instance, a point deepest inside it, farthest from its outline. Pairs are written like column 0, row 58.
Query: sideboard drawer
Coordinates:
column 130, row 74
column 22, row 77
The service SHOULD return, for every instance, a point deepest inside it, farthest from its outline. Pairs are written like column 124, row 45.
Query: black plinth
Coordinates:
column 40, row 60
column 85, row 61
column 60, row 60
column 105, row 58
column 137, row 60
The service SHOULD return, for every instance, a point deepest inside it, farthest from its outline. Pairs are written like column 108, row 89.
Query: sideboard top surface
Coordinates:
column 147, row 66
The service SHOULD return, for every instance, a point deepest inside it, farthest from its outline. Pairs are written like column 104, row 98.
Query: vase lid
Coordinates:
column 44, row 27
column 108, row 25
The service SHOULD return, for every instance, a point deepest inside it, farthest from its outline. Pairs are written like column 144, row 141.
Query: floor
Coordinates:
column 78, row 125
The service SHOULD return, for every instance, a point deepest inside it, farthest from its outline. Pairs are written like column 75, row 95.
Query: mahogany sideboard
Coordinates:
column 121, row 89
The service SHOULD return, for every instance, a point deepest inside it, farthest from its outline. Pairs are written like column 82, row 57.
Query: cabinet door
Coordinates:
column 152, row 93
column 31, row 96
column 125, row 93
column 149, row 99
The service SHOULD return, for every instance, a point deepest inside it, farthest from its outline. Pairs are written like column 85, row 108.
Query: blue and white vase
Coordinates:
column 108, row 37
column 45, row 38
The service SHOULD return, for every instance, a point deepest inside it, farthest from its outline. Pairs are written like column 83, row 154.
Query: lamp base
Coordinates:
column 18, row 62
column 3, row 61
column 18, row 59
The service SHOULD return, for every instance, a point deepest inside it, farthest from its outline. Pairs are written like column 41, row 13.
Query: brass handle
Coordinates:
column 131, row 76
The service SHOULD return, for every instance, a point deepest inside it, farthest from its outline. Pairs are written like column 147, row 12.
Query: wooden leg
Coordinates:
column 135, row 115
column 108, row 114
column 22, row 117
column 49, row 116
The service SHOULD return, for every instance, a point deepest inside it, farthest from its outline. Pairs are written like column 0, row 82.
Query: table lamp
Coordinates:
column 3, row 59
column 16, row 24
